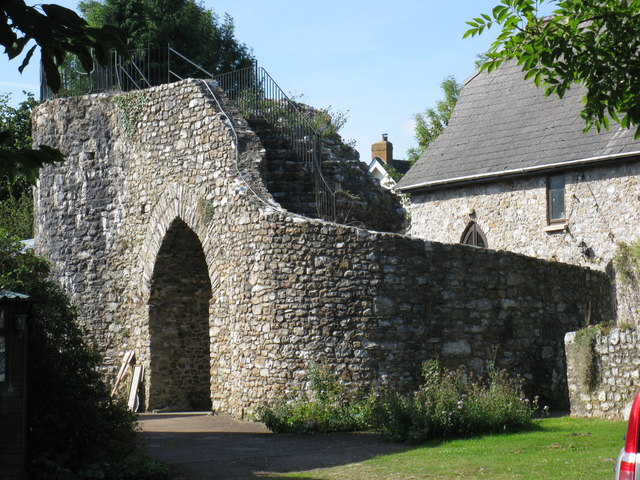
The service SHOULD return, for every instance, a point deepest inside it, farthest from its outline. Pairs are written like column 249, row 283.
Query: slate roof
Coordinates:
column 504, row 125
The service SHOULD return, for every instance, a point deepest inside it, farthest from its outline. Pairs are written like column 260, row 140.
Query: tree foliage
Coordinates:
column 57, row 31
column 76, row 430
column 591, row 42
column 16, row 196
column 433, row 121
column 15, row 122
column 190, row 28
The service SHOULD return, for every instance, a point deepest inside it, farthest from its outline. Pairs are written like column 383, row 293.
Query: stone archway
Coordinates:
column 180, row 293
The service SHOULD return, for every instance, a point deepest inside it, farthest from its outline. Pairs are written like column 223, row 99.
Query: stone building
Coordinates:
column 180, row 232
column 514, row 171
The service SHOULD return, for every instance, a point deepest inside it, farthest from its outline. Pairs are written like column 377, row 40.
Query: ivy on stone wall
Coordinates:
column 586, row 367
column 130, row 105
column 627, row 262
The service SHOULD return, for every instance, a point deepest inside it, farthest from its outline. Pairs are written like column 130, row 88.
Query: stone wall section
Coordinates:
column 617, row 361
column 602, row 206
column 286, row 291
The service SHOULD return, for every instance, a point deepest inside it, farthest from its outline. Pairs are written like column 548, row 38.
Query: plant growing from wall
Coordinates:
column 585, row 359
column 131, row 105
column 627, row 262
column 325, row 121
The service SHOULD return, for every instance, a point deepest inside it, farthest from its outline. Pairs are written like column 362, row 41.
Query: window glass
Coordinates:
column 479, row 241
column 556, row 198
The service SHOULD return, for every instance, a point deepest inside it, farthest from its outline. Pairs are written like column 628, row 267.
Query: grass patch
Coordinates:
column 558, row 448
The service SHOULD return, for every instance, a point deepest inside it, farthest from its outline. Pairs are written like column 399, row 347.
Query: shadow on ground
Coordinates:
column 208, row 447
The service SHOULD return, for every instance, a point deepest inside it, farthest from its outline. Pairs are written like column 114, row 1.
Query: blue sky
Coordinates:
column 380, row 61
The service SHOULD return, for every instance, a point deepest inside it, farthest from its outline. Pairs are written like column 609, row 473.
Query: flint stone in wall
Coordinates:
column 459, row 348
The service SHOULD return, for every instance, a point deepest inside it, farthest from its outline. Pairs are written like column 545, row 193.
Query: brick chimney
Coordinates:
column 383, row 150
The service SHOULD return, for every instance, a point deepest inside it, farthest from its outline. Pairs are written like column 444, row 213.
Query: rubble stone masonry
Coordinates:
column 169, row 243
column 616, row 372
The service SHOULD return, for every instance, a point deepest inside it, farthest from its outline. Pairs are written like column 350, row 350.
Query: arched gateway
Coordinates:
column 179, row 346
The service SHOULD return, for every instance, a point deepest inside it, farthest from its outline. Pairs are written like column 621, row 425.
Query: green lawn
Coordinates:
column 560, row 448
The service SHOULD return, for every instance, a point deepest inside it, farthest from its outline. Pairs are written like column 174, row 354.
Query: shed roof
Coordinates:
column 504, row 125
column 9, row 295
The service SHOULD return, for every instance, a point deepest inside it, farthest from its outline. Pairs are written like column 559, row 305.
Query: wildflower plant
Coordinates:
column 449, row 403
column 325, row 407
column 452, row 403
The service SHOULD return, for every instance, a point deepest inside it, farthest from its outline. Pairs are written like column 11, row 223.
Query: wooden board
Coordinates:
column 128, row 357
column 134, row 401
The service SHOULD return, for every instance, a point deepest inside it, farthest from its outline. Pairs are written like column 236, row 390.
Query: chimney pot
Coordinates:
column 383, row 150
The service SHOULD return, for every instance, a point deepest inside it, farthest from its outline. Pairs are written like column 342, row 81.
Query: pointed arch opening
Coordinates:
column 179, row 344
column 474, row 236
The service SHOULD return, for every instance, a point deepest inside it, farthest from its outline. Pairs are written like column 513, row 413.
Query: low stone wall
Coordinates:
column 164, row 233
column 373, row 304
column 602, row 209
column 616, row 363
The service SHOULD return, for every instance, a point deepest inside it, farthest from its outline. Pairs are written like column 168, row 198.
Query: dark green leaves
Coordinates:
column 205, row 38
column 28, row 162
column 592, row 43
column 58, row 31
column 433, row 121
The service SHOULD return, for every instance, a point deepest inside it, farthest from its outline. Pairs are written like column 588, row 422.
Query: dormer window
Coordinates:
column 555, row 199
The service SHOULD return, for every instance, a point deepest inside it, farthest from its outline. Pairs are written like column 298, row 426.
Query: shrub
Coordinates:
column 327, row 409
column 452, row 404
column 76, row 430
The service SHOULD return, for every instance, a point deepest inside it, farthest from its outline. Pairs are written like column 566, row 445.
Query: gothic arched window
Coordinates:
column 474, row 236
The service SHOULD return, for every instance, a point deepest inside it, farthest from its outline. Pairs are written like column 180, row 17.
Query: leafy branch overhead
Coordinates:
column 57, row 31
column 594, row 43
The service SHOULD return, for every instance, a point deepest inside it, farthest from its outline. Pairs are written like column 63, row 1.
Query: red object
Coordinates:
column 630, row 457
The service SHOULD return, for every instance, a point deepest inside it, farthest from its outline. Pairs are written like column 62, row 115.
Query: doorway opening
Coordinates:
column 179, row 373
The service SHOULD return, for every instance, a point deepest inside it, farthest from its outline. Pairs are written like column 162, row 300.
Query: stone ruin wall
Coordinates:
column 616, row 363
column 602, row 207
column 167, row 235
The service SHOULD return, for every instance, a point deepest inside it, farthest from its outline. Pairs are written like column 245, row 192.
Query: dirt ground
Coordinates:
column 215, row 447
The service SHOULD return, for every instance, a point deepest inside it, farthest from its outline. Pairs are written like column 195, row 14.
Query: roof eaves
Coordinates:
column 515, row 172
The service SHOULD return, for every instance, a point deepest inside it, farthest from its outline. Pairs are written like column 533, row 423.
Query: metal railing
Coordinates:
column 259, row 96
column 252, row 89
column 142, row 68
